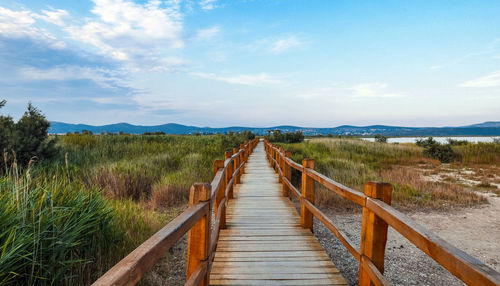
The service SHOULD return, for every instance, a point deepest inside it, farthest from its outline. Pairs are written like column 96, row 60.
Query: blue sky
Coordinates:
column 259, row 63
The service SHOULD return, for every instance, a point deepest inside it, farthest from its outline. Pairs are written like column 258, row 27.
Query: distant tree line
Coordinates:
column 25, row 139
column 288, row 137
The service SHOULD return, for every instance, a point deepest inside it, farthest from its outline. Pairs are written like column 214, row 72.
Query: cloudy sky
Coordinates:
column 252, row 62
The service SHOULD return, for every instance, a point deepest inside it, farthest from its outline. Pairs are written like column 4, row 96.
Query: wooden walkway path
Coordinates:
column 264, row 243
column 258, row 237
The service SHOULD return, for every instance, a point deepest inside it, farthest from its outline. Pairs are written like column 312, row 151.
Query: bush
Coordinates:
column 380, row 138
column 435, row 150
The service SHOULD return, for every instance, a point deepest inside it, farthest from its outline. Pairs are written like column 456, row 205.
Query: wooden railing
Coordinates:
column 204, row 199
column 377, row 216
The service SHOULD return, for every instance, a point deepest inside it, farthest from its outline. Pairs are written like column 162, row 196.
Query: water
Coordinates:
column 438, row 139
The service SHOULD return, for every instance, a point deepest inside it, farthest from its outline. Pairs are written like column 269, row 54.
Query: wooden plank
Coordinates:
column 278, row 282
column 312, row 253
column 273, row 259
column 277, row 276
column 267, row 247
column 239, row 232
column 274, row 270
column 267, row 238
column 286, row 264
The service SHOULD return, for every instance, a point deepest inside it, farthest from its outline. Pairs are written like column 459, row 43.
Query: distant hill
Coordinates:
column 486, row 124
column 482, row 129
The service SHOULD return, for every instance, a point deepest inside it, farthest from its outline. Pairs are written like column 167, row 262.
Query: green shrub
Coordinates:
column 380, row 138
column 435, row 150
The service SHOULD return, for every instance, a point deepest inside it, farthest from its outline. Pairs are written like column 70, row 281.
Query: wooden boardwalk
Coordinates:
column 264, row 243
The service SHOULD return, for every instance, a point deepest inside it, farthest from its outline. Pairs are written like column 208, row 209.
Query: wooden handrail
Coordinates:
column 131, row 269
column 465, row 267
column 459, row 263
column 202, row 239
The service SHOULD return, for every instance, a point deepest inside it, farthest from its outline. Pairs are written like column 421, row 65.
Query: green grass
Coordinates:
column 353, row 162
column 478, row 153
column 52, row 231
column 67, row 220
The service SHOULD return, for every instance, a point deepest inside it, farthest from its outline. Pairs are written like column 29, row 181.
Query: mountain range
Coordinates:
column 490, row 128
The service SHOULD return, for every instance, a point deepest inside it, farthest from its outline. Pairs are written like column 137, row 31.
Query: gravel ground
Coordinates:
column 474, row 230
column 404, row 263
column 170, row 270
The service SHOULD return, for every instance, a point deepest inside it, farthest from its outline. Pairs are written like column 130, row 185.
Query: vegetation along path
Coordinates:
column 264, row 243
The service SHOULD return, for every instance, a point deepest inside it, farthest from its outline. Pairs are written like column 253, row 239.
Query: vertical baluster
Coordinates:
column 374, row 231
column 306, row 217
column 199, row 235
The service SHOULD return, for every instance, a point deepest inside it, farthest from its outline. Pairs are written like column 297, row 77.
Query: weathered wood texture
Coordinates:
column 264, row 243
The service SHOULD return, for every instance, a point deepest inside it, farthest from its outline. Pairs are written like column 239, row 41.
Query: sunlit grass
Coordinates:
column 353, row 162
column 68, row 220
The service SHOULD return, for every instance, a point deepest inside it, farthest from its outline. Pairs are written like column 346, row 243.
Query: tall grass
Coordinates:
column 144, row 168
column 52, row 231
column 353, row 162
column 478, row 153
column 67, row 220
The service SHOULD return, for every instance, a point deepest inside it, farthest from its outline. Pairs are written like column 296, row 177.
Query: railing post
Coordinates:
column 219, row 164
column 236, row 165
column 280, row 164
column 275, row 157
column 242, row 159
column 272, row 155
column 306, row 217
column 287, row 172
column 374, row 230
column 199, row 235
column 229, row 174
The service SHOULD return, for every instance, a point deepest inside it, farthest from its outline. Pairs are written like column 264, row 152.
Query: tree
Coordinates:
column 289, row 137
column 30, row 137
column 380, row 138
column 6, row 126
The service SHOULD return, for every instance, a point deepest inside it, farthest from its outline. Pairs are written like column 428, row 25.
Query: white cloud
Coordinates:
column 244, row 79
column 103, row 77
column 491, row 80
column 207, row 34
column 275, row 45
column 375, row 89
column 56, row 17
column 208, row 4
column 20, row 24
column 283, row 44
column 128, row 31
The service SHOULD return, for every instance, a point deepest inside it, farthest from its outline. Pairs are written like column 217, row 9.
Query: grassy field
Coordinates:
column 67, row 220
column 352, row 162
